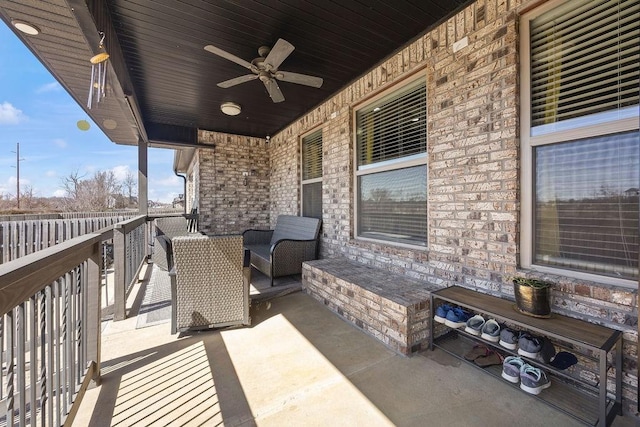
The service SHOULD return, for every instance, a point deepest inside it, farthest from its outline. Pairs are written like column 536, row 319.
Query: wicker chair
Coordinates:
column 166, row 230
column 209, row 282
column 281, row 251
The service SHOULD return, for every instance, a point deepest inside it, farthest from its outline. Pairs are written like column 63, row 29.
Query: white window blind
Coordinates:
column 585, row 60
column 312, row 156
column 392, row 206
column 586, row 205
column 312, row 175
column 391, row 147
column 393, row 127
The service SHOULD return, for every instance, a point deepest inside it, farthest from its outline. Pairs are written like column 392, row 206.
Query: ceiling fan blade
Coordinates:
column 278, row 53
column 236, row 81
column 301, row 79
column 230, row 57
column 274, row 91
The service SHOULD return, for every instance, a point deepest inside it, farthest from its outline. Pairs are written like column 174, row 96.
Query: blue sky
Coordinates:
column 38, row 113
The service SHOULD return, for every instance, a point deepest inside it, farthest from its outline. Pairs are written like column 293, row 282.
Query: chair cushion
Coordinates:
column 262, row 251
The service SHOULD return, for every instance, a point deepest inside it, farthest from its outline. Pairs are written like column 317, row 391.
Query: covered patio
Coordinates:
column 298, row 364
column 449, row 143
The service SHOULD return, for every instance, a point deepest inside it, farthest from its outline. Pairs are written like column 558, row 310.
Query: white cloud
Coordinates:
column 59, row 193
column 10, row 115
column 120, row 172
column 49, row 87
column 60, row 143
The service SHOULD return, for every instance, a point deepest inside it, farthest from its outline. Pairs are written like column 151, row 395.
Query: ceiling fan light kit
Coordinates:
column 265, row 68
column 230, row 108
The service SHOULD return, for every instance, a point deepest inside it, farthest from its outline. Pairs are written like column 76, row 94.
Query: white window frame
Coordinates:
column 625, row 122
column 389, row 165
column 304, row 182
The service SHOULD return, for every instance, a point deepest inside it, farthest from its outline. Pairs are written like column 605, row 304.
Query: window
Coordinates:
column 312, row 175
column 580, row 138
column 391, row 174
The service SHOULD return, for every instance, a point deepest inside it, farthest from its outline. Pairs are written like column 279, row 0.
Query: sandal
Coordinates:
column 476, row 352
column 492, row 358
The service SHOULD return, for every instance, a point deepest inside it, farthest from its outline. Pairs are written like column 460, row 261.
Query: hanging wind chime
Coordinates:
column 98, row 74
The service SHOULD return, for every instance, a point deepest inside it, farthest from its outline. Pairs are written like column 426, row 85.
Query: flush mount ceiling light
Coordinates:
column 25, row 27
column 230, row 108
column 109, row 124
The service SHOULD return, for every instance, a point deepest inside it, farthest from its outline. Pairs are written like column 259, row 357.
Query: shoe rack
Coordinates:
column 586, row 400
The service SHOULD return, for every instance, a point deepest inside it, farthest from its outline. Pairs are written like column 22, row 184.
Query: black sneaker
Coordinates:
column 548, row 351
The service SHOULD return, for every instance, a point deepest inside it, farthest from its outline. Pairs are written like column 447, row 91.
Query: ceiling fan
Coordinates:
column 265, row 68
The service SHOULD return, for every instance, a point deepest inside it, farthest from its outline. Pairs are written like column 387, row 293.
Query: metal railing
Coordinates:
column 50, row 331
column 50, row 321
column 130, row 250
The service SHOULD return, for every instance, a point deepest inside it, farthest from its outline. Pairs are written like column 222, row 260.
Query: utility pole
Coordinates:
column 18, row 160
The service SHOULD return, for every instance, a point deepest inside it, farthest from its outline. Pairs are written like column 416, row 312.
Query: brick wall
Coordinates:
column 233, row 183
column 473, row 148
column 473, row 171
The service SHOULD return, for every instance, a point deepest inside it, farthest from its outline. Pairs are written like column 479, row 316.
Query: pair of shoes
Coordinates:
column 493, row 358
column 453, row 317
column 488, row 330
column 482, row 356
column 457, row 317
column 528, row 345
column 532, row 380
column 477, row 351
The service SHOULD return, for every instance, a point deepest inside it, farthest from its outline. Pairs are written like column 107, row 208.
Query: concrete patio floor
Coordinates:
column 297, row 365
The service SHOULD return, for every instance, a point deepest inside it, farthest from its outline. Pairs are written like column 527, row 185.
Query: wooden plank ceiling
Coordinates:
column 159, row 61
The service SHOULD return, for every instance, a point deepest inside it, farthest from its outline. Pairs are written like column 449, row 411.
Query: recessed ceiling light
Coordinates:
column 230, row 108
column 109, row 124
column 25, row 27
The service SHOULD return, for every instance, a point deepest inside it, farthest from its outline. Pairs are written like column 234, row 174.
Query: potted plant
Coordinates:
column 533, row 296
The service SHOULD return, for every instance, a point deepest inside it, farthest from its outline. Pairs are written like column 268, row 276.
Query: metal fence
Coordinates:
column 20, row 238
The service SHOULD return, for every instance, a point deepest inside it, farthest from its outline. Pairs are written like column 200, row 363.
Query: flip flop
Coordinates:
column 492, row 358
column 476, row 352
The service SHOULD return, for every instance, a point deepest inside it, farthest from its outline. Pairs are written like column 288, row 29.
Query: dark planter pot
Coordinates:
column 534, row 302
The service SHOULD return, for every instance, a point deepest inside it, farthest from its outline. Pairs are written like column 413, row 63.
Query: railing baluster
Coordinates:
column 10, row 366
column 72, row 337
column 57, row 386
column 2, row 338
column 33, row 359
column 49, row 291
column 43, row 356
column 65, row 344
column 20, row 364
